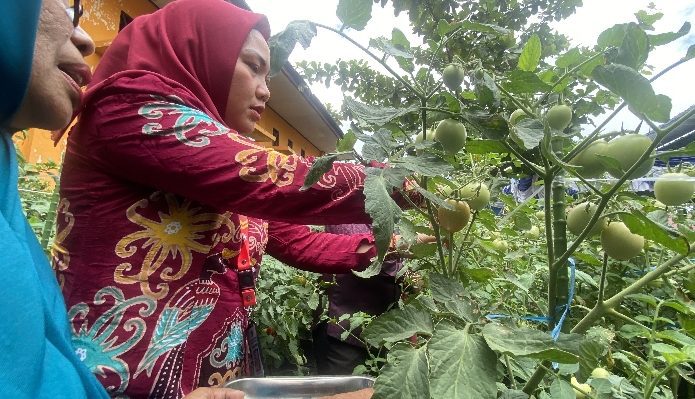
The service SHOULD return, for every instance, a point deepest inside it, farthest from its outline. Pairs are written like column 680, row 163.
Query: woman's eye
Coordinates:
column 254, row 67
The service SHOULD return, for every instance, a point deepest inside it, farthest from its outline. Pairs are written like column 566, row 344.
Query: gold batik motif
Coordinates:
column 263, row 164
column 177, row 234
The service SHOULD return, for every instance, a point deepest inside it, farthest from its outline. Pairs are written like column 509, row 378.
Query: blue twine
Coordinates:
column 555, row 334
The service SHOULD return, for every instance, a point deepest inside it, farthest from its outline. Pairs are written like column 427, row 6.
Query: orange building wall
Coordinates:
column 101, row 20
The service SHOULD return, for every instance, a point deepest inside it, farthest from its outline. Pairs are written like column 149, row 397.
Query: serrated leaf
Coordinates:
column 389, row 48
column 376, row 115
column 528, row 133
column 445, row 289
column 372, row 270
column 354, row 13
column 560, row 389
column 634, row 48
column 530, row 55
column 640, row 224
column 381, row 208
column 592, row 349
column 485, row 147
column 398, row 324
column 525, row 342
column 452, row 352
column 426, row 165
column 525, row 82
column 486, row 91
column 634, row 88
column 320, row 166
column 347, row 142
column 405, row 375
column 282, row 44
column 491, row 126
column 668, row 37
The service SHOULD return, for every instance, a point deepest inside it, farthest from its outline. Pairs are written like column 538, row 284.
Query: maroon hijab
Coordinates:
column 194, row 43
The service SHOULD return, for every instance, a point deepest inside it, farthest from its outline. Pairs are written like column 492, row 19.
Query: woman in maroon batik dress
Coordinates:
column 151, row 243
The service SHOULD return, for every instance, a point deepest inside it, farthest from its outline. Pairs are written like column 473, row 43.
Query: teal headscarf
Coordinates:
column 17, row 36
column 36, row 353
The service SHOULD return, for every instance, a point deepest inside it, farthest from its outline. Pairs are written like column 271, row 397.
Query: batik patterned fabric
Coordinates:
column 149, row 231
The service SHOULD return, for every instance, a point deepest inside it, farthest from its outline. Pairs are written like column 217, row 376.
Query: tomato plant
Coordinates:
column 502, row 314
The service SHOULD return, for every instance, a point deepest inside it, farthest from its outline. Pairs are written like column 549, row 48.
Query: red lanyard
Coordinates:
column 247, row 283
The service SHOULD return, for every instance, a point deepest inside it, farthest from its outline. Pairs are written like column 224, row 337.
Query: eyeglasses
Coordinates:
column 75, row 11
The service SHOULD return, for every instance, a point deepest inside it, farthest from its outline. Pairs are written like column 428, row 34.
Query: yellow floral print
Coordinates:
column 59, row 254
column 177, row 233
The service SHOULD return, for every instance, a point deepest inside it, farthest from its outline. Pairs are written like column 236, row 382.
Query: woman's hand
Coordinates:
column 215, row 393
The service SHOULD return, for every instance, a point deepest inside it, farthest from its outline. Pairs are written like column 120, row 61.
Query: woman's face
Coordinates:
column 58, row 71
column 249, row 92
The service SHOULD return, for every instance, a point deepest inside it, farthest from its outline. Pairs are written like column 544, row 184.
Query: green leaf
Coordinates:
column 646, row 19
column 634, row 48
column 525, row 342
column 513, row 394
column 381, row 208
column 354, row 13
column 491, row 126
column 634, row 88
column 405, row 375
column 375, row 114
column 347, row 142
column 690, row 53
column 372, row 270
column 398, row 324
column 639, row 223
column 570, row 58
column 426, row 165
column 453, row 352
column 445, row 289
column 525, row 82
column 528, row 133
column 389, row 48
column 282, row 44
column 668, row 37
column 486, row 91
column 593, row 348
column 320, row 166
column 485, row 147
column 530, row 55
column 561, row 389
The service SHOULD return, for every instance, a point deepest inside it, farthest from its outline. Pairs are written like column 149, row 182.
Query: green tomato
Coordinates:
column 451, row 134
column 456, row 219
column 540, row 215
column 453, row 76
column 591, row 165
column 516, row 116
column 674, row 188
column 500, row 245
column 477, row 195
column 559, row 116
column 418, row 137
column 578, row 388
column 627, row 150
column 600, row 372
column 533, row 233
column 620, row 243
column 579, row 216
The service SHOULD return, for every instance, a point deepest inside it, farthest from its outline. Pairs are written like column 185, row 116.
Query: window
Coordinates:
column 289, row 143
column 124, row 21
column 276, row 137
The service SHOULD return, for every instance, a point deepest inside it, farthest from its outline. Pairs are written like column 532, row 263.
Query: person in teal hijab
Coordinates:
column 42, row 65
column 35, row 348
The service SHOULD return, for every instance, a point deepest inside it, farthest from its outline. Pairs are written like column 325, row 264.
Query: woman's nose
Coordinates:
column 82, row 41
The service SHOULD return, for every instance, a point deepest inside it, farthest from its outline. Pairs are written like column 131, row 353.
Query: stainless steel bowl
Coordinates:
column 299, row 387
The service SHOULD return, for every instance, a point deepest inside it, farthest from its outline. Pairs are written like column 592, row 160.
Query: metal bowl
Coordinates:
column 299, row 387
